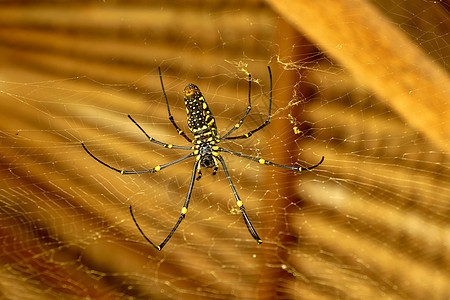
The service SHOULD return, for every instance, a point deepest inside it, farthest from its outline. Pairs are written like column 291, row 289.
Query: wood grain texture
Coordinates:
column 380, row 55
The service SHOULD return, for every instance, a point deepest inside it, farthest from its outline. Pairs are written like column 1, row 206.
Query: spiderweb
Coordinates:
column 371, row 222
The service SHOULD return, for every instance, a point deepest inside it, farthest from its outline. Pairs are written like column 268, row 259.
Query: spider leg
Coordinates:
column 239, row 203
column 269, row 163
column 170, row 146
column 153, row 170
column 171, row 119
column 251, row 132
column 249, row 107
column 182, row 216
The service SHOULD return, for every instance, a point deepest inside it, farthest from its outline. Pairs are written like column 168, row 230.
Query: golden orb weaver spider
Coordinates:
column 206, row 151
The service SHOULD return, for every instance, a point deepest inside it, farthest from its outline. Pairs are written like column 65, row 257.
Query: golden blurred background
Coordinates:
column 363, row 83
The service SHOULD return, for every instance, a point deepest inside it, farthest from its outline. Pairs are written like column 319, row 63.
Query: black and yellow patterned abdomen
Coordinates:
column 200, row 119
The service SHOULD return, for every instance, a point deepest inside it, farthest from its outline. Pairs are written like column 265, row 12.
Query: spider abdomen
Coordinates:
column 200, row 119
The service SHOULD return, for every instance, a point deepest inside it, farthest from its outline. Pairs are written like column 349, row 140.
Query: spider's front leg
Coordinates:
column 239, row 203
column 182, row 215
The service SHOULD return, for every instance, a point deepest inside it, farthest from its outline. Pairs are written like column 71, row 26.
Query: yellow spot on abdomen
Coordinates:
column 262, row 161
column 189, row 92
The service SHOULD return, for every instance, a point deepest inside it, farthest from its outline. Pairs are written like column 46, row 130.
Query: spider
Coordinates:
column 205, row 149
